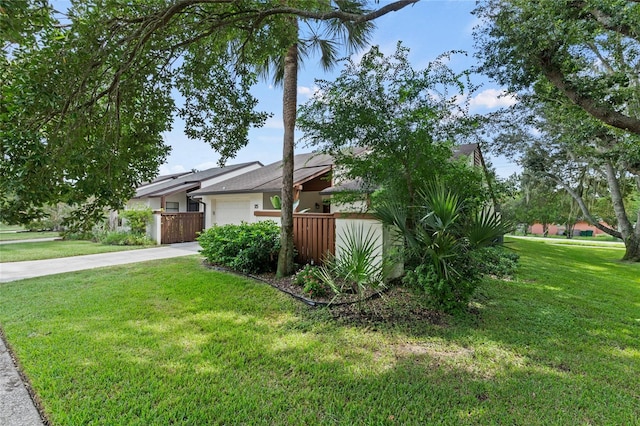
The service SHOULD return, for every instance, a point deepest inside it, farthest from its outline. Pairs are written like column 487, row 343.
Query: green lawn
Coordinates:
column 5, row 227
column 173, row 342
column 24, row 235
column 18, row 252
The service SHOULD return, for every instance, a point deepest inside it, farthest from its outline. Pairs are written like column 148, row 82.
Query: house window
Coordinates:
column 172, row 207
column 192, row 205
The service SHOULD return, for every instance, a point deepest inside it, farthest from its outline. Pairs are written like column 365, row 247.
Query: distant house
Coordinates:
column 237, row 199
column 178, row 215
column 580, row 227
column 172, row 193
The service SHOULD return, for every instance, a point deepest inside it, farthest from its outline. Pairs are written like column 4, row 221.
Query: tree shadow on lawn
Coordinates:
column 235, row 351
column 228, row 366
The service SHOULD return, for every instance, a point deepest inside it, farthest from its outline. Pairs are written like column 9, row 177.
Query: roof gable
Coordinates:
column 188, row 181
column 269, row 178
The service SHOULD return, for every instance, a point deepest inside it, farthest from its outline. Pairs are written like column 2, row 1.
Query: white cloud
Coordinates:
column 274, row 123
column 308, row 92
column 493, row 98
column 166, row 169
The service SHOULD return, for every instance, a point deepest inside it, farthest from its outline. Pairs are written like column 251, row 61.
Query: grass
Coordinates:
column 172, row 342
column 26, row 235
column 10, row 228
column 18, row 252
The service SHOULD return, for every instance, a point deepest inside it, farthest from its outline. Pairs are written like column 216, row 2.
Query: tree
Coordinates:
column 407, row 122
column 402, row 124
column 574, row 65
column 588, row 50
column 98, row 92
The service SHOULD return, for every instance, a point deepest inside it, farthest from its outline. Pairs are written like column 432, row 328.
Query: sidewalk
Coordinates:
column 32, row 240
column 16, row 406
column 12, row 271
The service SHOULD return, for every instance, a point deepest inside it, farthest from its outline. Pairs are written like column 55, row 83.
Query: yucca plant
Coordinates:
column 359, row 265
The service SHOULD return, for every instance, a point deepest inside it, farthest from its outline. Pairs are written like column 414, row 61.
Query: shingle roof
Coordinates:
column 269, row 177
column 358, row 185
column 466, row 149
column 188, row 181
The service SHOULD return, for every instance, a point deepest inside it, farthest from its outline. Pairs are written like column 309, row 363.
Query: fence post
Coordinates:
column 156, row 227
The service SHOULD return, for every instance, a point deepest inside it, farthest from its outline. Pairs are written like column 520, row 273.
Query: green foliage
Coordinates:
column 587, row 51
column 276, row 202
column 496, row 261
column 53, row 219
column 87, row 99
column 574, row 66
column 310, row 280
column 407, row 121
column 439, row 235
column 80, row 235
column 124, row 238
column 359, row 266
column 138, row 219
column 248, row 248
column 447, row 294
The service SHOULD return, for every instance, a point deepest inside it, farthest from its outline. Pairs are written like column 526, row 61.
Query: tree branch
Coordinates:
column 607, row 21
column 607, row 115
column 583, row 207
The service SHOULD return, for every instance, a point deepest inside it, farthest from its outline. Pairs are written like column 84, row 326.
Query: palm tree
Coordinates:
column 327, row 39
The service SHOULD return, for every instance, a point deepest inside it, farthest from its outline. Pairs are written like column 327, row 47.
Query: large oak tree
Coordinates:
column 575, row 67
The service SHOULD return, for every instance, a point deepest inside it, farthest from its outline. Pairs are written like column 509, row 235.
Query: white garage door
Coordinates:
column 232, row 212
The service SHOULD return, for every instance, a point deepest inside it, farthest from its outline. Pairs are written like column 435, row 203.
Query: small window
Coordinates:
column 172, row 207
column 193, row 205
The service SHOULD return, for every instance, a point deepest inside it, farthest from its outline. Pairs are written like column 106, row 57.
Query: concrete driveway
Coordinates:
column 12, row 271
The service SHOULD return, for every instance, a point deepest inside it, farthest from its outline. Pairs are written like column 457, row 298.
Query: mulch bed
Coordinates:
column 395, row 304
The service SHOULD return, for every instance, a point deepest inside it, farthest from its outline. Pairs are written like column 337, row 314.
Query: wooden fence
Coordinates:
column 181, row 227
column 314, row 235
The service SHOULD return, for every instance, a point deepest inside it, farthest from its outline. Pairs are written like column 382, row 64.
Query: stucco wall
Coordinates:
column 537, row 229
column 386, row 240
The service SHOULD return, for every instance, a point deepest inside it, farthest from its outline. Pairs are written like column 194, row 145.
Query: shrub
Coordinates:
column 248, row 248
column 447, row 294
column 79, row 235
column 358, row 268
column 497, row 261
column 308, row 278
column 122, row 238
column 137, row 219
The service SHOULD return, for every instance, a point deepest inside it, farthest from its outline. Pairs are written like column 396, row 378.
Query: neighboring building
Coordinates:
column 582, row 226
column 172, row 193
column 237, row 199
column 178, row 216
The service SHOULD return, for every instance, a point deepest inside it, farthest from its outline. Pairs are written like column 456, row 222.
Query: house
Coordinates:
column 236, row 200
column 172, row 193
column 247, row 198
column 579, row 228
column 178, row 216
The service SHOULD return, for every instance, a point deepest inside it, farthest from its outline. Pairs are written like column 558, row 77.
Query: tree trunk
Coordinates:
column 289, row 105
column 632, row 245
column 568, row 232
column 630, row 236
